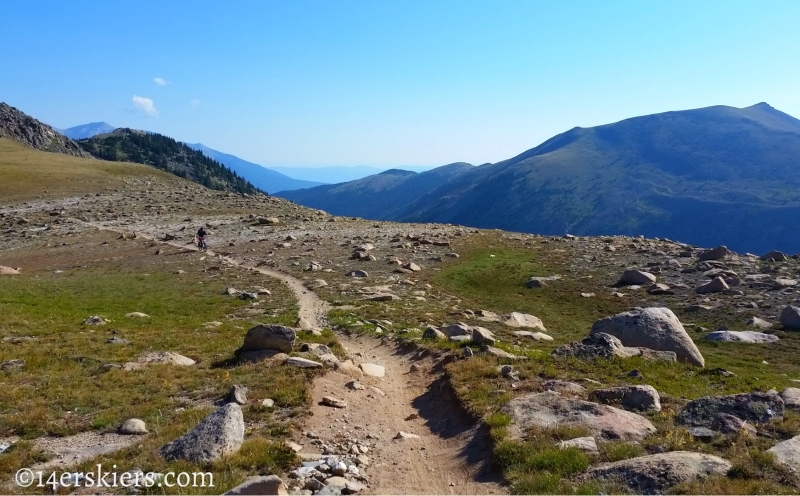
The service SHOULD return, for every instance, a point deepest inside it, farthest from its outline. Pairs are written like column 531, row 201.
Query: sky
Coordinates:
column 390, row 83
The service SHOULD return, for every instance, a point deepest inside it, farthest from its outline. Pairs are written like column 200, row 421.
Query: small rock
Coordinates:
column 373, row 370
column 333, row 402
column 237, row 394
column 133, row 426
column 405, row 435
column 265, row 485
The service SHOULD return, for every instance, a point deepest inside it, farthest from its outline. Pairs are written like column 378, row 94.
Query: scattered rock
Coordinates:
column 791, row 398
column 787, row 453
column 725, row 335
column 717, row 253
column 8, row 271
column 218, row 435
column 790, row 317
column 774, row 256
column 159, row 357
column 357, row 273
column 716, row 285
column 431, row 332
column 266, row 485
column 536, row 336
column 582, row 443
column 482, row 336
column 752, row 407
column 14, row 364
column 654, row 328
column 303, row 363
column 94, row 320
column 497, row 352
column 636, row 277
column 237, row 394
column 268, row 337
column 654, row 474
column 405, row 436
column 729, row 424
column 549, row 408
column 602, row 345
column 630, row 397
column 137, row 315
column 258, row 356
column 516, row 319
column 373, row 370
column 758, row 323
column 333, row 402
column 133, row 426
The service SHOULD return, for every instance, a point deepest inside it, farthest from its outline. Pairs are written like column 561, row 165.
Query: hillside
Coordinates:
column 25, row 129
column 164, row 153
column 335, row 174
column 381, row 196
column 705, row 176
column 265, row 179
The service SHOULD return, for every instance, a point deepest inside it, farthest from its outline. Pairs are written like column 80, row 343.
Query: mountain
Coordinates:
column 339, row 173
column 381, row 196
column 705, row 176
column 263, row 178
column 162, row 152
column 87, row 130
column 25, row 129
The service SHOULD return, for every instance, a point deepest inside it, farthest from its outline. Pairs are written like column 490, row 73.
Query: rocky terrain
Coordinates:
column 380, row 357
column 27, row 130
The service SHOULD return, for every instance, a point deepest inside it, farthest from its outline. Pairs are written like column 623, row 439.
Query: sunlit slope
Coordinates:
column 28, row 173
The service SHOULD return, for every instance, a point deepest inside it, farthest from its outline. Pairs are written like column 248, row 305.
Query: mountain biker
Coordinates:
column 201, row 237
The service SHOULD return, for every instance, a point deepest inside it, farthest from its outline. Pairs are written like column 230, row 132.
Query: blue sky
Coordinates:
column 390, row 83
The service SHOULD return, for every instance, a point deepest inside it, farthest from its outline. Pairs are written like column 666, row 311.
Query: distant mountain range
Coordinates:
column 162, row 152
column 339, row 173
column 705, row 176
column 86, row 130
column 265, row 179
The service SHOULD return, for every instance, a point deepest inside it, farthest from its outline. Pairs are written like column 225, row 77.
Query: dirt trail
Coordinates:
column 451, row 455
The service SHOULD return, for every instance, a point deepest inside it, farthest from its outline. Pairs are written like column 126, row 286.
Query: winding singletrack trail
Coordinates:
column 451, row 454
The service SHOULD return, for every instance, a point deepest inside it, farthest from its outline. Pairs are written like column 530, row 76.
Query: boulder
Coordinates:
column 8, row 271
column 481, row 336
column 133, row 426
column 774, row 256
column 783, row 283
column 752, row 337
column 261, row 484
column 790, row 317
column 516, row 319
column 303, row 363
column 660, row 289
column 752, row 407
column 159, row 357
column 729, row 424
column 564, row 388
column 433, row 333
column 536, row 336
column 791, row 398
column 787, row 453
column 602, row 345
column 716, row 285
column 717, row 253
column 357, row 273
column 373, row 370
column 333, row 402
column 237, row 394
column 587, row 444
column 758, row 323
column 459, row 329
column 497, row 352
column 412, row 267
column 654, row 328
column 636, row 277
column 268, row 337
column 654, row 474
column 630, row 397
column 549, row 409
column 220, row 434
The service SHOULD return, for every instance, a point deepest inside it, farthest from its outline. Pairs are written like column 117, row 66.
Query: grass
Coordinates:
column 64, row 388
column 25, row 172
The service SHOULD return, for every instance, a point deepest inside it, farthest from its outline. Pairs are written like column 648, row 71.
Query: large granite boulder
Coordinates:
column 654, row 328
column 550, row 409
column 654, row 474
column 751, row 407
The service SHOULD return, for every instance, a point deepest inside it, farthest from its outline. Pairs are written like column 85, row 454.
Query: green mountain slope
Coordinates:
column 162, row 152
column 705, row 176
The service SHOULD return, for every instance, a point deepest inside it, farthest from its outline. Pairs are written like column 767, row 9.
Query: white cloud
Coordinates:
column 145, row 105
column 160, row 81
column 195, row 103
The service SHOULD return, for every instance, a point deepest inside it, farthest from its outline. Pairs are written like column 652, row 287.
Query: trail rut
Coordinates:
column 451, row 455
